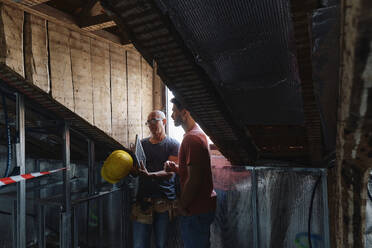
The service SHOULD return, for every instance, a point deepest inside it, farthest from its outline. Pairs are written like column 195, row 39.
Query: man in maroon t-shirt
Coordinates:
column 198, row 199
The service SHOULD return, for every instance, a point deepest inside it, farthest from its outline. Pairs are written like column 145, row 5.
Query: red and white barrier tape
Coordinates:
column 14, row 179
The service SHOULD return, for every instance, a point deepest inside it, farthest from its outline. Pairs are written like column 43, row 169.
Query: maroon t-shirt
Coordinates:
column 194, row 151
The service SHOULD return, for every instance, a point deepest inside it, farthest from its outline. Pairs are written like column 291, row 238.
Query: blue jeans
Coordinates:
column 195, row 230
column 142, row 232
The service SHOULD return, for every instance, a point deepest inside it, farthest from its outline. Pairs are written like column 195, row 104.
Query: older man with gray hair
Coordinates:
column 157, row 188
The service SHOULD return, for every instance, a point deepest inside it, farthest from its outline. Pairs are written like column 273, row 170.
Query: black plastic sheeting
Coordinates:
column 329, row 2
column 283, row 203
column 325, row 60
column 247, row 49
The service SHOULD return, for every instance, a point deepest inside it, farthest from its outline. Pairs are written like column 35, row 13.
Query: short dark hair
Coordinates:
column 177, row 103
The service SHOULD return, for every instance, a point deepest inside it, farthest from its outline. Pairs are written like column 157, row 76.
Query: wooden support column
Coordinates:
column 348, row 181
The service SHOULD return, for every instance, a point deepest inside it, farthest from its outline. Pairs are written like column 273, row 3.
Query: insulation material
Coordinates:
column 60, row 65
column 81, row 75
column 325, row 58
column 119, row 97
column 11, row 38
column 247, row 49
column 100, row 65
column 36, row 52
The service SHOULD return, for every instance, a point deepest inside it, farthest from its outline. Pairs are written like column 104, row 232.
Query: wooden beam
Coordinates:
column 348, row 180
column 92, row 23
column 32, row 2
column 114, row 38
column 53, row 15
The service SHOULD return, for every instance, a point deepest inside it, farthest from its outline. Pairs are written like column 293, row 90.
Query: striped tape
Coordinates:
column 9, row 180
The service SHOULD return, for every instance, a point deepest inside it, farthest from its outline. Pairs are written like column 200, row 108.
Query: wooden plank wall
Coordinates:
column 119, row 94
column 101, row 85
column 147, row 92
column 36, row 51
column 134, row 95
column 61, row 87
column 81, row 75
column 11, row 38
column 108, row 85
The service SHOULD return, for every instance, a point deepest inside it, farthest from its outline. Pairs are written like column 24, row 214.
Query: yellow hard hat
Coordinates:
column 117, row 166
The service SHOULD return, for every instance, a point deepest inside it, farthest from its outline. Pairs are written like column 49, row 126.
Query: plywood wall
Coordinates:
column 134, row 95
column 147, row 92
column 36, row 50
column 61, row 87
column 119, row 94
column 11, row 38
column 82, row 75
column 108, row 85
column 100, row 62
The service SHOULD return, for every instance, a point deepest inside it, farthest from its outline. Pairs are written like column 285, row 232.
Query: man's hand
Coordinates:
column 170, row 166
column 142, row 171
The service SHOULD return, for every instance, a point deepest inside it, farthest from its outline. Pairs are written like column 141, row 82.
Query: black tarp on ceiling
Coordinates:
column 246, row 48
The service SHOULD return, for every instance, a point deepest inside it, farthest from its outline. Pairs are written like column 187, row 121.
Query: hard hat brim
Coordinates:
column 103, row 174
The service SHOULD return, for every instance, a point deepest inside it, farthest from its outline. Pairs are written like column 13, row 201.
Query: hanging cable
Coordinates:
column 9, row 144
column 311, row 210
column 369, row 192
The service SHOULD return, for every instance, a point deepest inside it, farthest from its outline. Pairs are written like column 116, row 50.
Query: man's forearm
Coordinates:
column 160, row 174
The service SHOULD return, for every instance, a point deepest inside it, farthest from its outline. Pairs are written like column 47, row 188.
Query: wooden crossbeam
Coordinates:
column 32, row 2
column 92, row 23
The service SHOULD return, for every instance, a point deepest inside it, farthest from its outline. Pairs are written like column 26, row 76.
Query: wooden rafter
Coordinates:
column 32, row 2
column 92, row 23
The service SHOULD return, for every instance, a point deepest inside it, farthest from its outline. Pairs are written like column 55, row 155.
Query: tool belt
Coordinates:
column 143, row 212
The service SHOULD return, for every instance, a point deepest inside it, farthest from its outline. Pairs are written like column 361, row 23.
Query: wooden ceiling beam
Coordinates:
column 93, row 23
column 54, row 15
column 32, row 2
